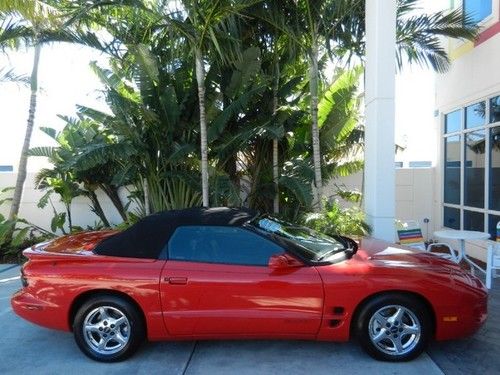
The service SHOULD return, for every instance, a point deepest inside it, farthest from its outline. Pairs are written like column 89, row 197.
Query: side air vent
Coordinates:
column 338, row 310
column 335, row 322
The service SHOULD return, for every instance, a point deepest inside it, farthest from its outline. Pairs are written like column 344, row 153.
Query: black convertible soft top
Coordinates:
column 146, row 238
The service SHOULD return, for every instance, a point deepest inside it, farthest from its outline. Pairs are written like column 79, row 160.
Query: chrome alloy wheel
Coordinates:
column 394, row 330
column 106, row 330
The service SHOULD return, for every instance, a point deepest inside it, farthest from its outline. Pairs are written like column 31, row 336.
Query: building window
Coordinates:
column 452, row 170
column 471, row 165
column 6, row 168
column 452, row 122
column 420, row 164
column 474, row 115
column 474, row 169
column 478, row 10
column 495, row 168
column 451, row 218
column 495, row 109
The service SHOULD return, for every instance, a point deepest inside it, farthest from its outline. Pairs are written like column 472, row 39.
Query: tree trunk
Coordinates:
column 313, row 86
column 112, row 192
column 97, row 208
column 23, row 161
column 145, row 187
column 68, row 213
column 200, row 78
column 276, row 201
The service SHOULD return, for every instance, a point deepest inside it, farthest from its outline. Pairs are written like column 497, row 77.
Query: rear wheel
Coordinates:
column 394, row 327
column 108, row 328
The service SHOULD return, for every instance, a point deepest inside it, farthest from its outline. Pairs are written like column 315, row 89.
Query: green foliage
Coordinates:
column 17, row 234
column 258, row 57
column 336, row 220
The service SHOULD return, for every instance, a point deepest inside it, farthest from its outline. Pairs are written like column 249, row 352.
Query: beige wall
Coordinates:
column 80, row 209
column 415, row 198
column 473, row 76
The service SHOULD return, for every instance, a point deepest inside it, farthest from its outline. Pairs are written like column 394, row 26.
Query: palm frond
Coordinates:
column 43, row 151
column 8, row 75
column 218, row 125
column 14, row 33
column 418, row 37
column 296, row 187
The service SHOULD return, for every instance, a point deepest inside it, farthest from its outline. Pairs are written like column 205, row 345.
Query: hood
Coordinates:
column 75, row 243
column 381, row 253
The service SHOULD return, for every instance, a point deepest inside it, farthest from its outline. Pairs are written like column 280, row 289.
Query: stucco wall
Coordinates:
column 414, row 195
column 415, row 200
column 80, row 209
column 473, row 76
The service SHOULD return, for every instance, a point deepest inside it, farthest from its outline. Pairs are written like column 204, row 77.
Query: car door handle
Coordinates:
column 176, row 280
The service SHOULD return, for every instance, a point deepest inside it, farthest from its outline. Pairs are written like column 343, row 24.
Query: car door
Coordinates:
column 216, row 281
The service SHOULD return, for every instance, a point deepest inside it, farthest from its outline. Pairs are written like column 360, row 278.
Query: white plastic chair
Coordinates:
column 410, row 234
column 492, row 262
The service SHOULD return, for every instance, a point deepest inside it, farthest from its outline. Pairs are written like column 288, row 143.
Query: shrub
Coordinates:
column 336, row 220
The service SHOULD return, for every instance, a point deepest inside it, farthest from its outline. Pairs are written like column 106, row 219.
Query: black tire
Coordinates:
column 108, row 328
column 393, row 327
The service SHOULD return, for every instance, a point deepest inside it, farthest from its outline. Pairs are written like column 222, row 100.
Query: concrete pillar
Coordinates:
column 379, row 194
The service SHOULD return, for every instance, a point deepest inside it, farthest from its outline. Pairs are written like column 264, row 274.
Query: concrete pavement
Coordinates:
column 26, row 348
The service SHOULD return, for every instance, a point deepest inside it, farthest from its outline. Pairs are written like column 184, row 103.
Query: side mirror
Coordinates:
column 282, row 262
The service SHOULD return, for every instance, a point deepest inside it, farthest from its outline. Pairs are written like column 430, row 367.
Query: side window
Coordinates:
column 226, row 245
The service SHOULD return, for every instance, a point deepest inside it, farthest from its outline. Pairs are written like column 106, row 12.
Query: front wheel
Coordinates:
column 108, row 328
column 394, row 327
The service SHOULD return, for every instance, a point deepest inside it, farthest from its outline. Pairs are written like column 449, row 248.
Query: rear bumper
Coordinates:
column 37, row 311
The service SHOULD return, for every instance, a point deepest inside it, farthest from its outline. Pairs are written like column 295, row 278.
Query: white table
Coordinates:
column 462, row 235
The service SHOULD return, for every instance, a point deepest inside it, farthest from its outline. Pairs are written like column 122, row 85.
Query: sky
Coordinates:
column 65, row 80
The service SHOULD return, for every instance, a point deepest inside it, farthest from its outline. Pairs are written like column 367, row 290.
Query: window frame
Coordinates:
column 462, row 132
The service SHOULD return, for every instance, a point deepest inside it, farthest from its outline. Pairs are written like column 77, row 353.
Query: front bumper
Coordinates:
column 468, row 314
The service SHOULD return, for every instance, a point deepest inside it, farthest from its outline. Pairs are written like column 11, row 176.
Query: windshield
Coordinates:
column 314, row 246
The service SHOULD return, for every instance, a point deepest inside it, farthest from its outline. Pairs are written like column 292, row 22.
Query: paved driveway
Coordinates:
column 26, row 348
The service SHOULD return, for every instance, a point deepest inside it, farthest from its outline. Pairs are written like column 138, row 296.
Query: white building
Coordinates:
column 468, row 108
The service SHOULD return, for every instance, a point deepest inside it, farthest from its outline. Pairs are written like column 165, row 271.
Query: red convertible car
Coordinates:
column 225, row 273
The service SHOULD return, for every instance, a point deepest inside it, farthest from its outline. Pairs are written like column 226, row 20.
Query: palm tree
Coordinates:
column 22, row 24
column 209, row 27
column 337, row 27
column 311, row 28
column 31, row 24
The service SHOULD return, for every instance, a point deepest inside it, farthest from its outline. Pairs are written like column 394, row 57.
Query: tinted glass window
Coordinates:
column 452, row 170
column 495, row 109
column 495, row 168
column 478, row 10
column 474, row 115
column 451, row 218
column 474, row 169
column 473, row 221
column 226, row 245
column 452, row 122
column 493, row 222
